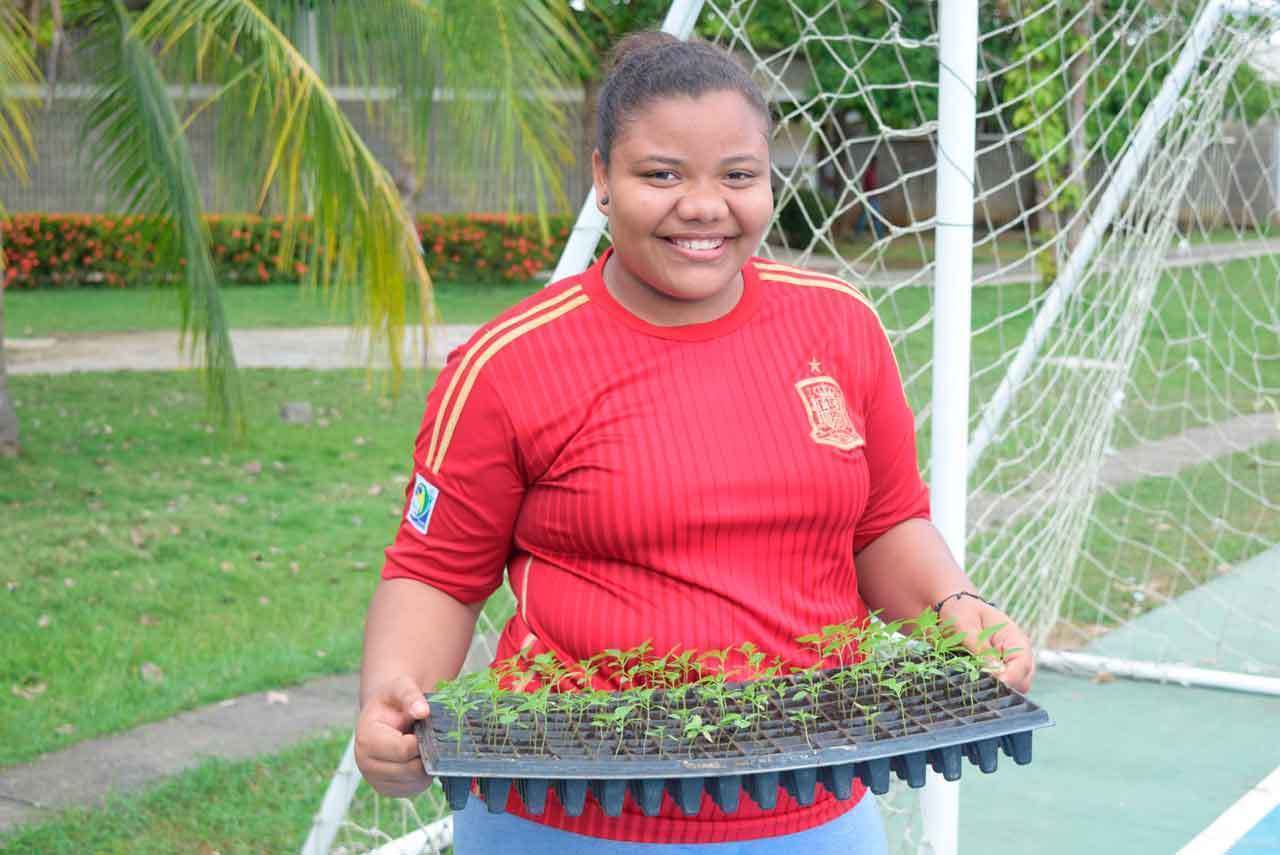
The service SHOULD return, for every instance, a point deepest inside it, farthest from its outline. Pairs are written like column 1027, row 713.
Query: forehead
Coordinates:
column 711, row 123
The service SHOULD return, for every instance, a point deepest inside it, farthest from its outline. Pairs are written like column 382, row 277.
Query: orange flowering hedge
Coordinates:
column 52, row 250
column 493, row 247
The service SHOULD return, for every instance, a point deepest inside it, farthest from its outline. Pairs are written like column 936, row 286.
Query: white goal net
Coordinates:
column 1125, row 386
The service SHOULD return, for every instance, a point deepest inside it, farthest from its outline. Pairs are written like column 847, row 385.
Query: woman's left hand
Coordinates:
column 972, row 617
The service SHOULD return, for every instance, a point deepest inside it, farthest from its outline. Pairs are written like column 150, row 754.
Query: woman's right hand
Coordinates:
column 386, row 747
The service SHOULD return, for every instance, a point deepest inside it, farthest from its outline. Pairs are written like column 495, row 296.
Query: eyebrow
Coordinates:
column 675, row 161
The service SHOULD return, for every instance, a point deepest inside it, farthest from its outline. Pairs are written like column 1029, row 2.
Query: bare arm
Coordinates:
column 414, row 636
column 909, row 568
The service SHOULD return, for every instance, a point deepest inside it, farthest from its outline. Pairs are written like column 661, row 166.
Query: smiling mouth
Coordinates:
column 697, row 243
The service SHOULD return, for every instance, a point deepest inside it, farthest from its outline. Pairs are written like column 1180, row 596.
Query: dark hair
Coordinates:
column 651, row 65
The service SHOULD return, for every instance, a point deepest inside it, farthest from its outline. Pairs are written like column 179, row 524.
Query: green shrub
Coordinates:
column 60, row 250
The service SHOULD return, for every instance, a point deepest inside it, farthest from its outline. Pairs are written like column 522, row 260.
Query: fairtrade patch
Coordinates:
column 421, row 504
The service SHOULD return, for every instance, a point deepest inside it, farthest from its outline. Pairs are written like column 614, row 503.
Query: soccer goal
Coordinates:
column 1074, row 204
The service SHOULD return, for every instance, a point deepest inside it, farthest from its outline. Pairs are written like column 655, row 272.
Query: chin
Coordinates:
column 699, row 287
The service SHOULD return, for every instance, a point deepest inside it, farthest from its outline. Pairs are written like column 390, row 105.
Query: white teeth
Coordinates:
column 708, row 243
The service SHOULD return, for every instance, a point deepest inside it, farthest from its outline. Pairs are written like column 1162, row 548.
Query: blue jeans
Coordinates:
column 866, row 220
column 478, row 832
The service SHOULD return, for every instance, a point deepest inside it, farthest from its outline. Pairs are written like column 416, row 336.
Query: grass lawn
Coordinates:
column 91, row 310
column 1227, row 234
column 1210, row 343
column 1154, row 539
column 916, row 249
column 264, row 806
column 151, row 569
column 267, row 805
column 139, row 539
column 1207, row 520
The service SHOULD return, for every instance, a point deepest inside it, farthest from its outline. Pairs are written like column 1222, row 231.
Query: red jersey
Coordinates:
column 694, row 486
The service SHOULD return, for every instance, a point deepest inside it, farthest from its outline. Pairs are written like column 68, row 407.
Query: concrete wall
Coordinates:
column 1005, row 187
column 1236, row 183
column 61, row 179
column 1246, row 162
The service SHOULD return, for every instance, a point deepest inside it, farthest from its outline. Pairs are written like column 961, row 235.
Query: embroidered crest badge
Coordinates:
column 824, row 403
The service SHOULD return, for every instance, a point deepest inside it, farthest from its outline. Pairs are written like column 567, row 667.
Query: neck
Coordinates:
column 652, row 306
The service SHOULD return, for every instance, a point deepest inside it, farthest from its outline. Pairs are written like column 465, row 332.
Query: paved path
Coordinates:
column 1162, row 458
column 336, row 347
column 234, row 729
column 310, row 347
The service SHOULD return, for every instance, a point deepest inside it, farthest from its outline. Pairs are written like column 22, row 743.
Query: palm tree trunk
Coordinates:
column 8, row 417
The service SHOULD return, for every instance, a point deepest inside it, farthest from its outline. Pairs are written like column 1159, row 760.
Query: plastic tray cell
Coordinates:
column 572, row 793
column 874, row 774
column 946, row 761
column 533, row 792
column 910, row 768
column 609, row 793
column 647, row 793
column 686, row 793
column 762, row 787
column 837, row 780
column 725, row 790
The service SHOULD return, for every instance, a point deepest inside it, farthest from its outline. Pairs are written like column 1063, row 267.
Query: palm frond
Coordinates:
column 141, row 154
column 497, row 74
column 294, row 139
column 17, row 69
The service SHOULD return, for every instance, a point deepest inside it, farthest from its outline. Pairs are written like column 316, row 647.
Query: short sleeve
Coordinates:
column 466, row 490
column 896, row 491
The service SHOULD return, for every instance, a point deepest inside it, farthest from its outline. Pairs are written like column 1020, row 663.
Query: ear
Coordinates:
column 600, row 180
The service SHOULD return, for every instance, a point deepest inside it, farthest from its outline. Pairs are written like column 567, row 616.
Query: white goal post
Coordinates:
column 1067, row 213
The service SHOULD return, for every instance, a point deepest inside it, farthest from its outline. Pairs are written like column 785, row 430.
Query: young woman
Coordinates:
column 685, row 445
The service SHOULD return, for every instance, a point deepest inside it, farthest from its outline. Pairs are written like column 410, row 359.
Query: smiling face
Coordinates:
column 689, row 201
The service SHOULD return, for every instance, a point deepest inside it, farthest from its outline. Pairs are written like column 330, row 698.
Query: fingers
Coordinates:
column 399, row 704
column 409, row 697
column 1008, row 646
column 390, row 761
column 1018, row 663
column 386, row 748
column 384, row 744
column 1018, row 670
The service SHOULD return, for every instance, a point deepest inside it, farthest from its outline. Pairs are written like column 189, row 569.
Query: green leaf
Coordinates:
column 985, row 635
column 314, row 160
column 17, row 68
column 135, row 135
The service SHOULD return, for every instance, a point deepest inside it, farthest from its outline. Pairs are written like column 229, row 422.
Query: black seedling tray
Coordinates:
column 952, row 720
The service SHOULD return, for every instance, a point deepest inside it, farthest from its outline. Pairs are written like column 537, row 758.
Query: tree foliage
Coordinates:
column 494, row 67
column 1126, row 50
column 876, row 62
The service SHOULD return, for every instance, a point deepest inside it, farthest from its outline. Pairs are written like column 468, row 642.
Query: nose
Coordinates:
column 703, row 202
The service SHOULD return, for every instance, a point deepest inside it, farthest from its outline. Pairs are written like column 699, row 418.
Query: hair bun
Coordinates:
column 650, row 65
column 634, row 44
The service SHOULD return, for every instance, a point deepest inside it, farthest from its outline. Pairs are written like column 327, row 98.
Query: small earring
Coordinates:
column 604, row 200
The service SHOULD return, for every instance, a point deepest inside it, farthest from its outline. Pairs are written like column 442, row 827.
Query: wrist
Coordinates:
column 959, row 595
